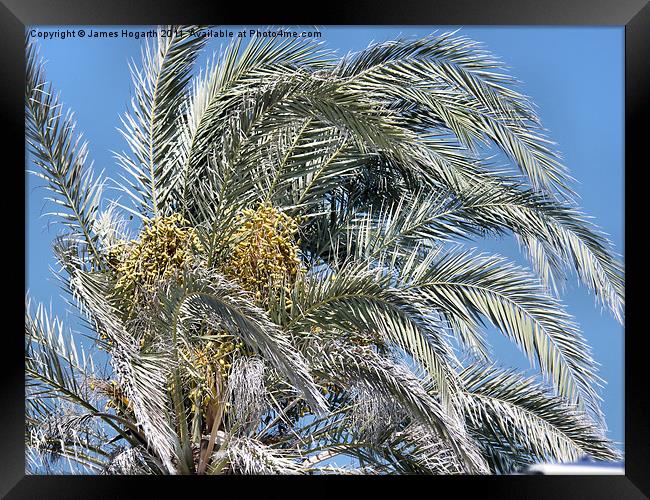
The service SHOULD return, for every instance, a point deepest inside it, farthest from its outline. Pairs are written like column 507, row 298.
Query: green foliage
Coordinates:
column 300, row 287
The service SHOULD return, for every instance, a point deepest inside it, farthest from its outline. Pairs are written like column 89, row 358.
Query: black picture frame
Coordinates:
column 633, row 14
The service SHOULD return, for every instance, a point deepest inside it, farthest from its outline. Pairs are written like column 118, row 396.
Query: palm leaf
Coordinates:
column 513, row 409
column 357, row 299
column 209, row 293
column 350, row 365
column 466, row 284
column 60, row 153
column 143, row 376
column 151, row 127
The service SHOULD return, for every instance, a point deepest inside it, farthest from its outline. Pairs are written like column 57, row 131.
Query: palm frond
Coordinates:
column 151, row 128
column 53, row 365
column 60, row 154
column 227, row 79
column 358, row 299
column 357, row 365
column 131, row 461
column 142, row 375
column 416, row 451
column 482, row 104
column 60, row 397
column 513, row 409
column 563, row 233
column 208, row 294
column 466, row 284
column 65, row 440
column 249, row 456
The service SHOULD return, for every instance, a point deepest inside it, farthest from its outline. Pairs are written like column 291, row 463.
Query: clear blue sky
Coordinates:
column 574, row 75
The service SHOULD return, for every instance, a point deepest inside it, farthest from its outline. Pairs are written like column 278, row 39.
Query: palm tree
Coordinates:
column 297, row 285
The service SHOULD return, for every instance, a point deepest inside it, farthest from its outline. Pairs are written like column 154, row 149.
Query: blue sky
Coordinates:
column 574, row 75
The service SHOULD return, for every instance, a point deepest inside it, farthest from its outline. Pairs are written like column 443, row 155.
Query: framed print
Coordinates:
column 383, row 242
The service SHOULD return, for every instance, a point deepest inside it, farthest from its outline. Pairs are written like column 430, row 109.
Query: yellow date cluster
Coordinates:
column 166, row 245
column 210, row 365
column 265, row 251
column 116, row 399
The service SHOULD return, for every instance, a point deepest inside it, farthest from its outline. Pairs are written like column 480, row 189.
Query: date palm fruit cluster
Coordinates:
column 116, row 398
column 264, row 256
column 210, row 366
column 166, row 245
